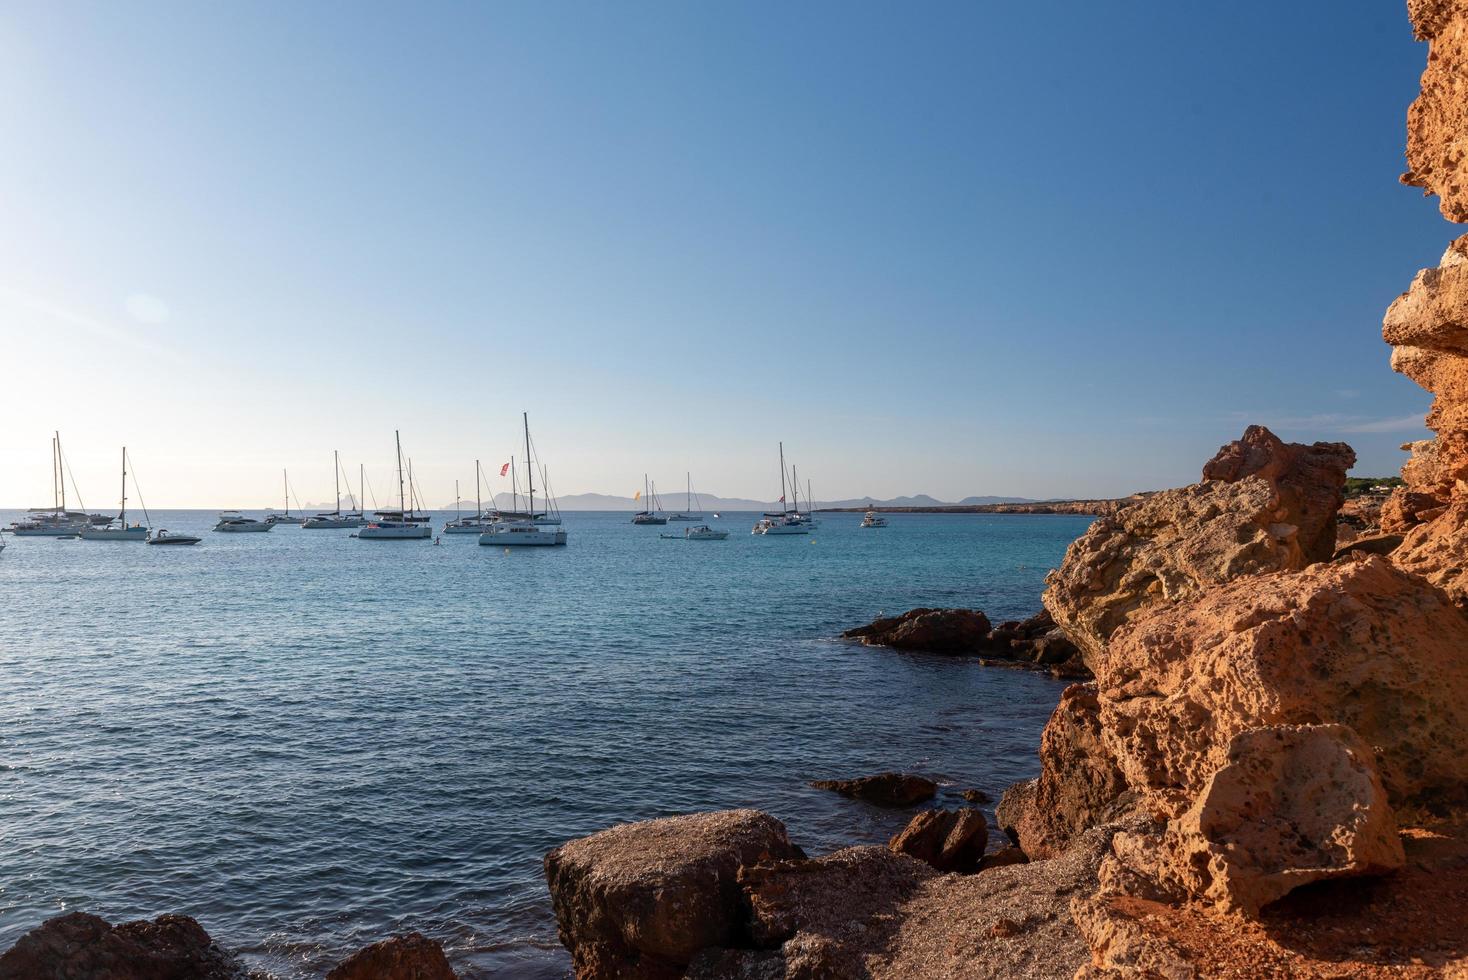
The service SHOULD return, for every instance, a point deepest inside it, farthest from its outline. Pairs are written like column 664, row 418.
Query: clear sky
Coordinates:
column 1037, row 249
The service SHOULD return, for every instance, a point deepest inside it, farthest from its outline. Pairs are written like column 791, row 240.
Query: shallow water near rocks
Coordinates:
column 308, row 741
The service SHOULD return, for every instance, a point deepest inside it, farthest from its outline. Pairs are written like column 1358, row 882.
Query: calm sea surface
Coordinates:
column 309, row 741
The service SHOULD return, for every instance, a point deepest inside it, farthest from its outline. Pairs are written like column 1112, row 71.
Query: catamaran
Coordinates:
column 119, row 529
column 783, row 522
column 649, row 498
column 401, row 524
column 688, row 513
column 335, row 517
column 523, row 530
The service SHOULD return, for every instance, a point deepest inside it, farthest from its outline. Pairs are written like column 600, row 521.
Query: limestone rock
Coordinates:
column 949, row 840
column 1438, row 551
column 1437, row 139
column 1355, row 642
column 1293, row 804
column 640, row 900
column 78, row 946
column 411, row 956
column 1405, row 508
column 934, row 630
column 1079, row 783
column 889, row 789
column 1266, row 506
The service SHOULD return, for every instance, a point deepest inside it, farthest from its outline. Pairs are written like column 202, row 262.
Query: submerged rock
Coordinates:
column 640, row 900
column 889, row 789
column 411, row 956
column 956, row 631
column 949, row 840
column 78, row 946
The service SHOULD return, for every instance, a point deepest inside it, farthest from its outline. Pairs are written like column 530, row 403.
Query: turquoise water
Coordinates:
column 308, row 741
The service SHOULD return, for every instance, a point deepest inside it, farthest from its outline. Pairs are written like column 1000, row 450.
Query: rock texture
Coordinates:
column 1264, row 505
column 890, row 789
column 411, row 956
column 640, row 900
column 934, row 630
column 1437, row 137
column 78, row 946
column 949, row 840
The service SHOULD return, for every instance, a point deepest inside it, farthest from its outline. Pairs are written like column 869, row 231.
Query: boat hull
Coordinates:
column 532, row 537
column 244, row 528
column 398, row 532
column 465, row 528
column 320, row 523
column 114, row 533
column 60, row 531
column 179, row 539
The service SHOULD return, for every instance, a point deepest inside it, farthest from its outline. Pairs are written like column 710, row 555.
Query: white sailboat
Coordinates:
column 476, row 523
column 552, row 515
column 401, row 524
column 54, row 521
column 688, row 513
column 783, row 522
column 287, row 517
column 649, row 514
column 523, row 531
column 119, row 529
column 335, row 518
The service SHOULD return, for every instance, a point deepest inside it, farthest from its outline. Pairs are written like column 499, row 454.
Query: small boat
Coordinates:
column 688, row 513
column 523, row 530
column 401, row 524
column 783, row 521
column 649, row 498
column 165, row 536
column 119, row 529
column 872, row 519
column 235, row 522
column 704, row 533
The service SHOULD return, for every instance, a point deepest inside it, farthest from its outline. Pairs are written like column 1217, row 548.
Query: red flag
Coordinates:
column 506, row 468
column 782, row 496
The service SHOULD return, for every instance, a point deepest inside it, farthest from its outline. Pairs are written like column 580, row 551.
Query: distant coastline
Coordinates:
column 1096, row 508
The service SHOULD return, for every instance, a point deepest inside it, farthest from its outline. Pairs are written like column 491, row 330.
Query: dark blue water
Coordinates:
column 309, row 741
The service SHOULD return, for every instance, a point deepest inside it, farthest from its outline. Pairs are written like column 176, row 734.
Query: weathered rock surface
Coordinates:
column 1357, row 642
column 411, row 956
column 1437, row 139
column 949, row 840
column 1438, row 551
column 889, row 789
column 640, row 900
column 1079, row 785
column 1265, row 506
column 1293, row 804
column 934, row 630
column 78, row 946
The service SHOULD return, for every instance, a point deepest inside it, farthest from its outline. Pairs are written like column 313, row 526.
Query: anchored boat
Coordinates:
column 401, row 524
column 522, row 530
column 119, row 529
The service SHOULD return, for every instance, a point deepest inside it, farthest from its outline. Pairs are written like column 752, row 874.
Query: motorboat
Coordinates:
column 165, row 536
column 402, row 524
column 872, row 519
column 335, row 518
column 234, row 522
column 704, row 533
column 523, row 530
column 119, row 529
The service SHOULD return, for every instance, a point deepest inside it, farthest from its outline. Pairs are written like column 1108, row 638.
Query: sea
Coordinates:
column 309, row 741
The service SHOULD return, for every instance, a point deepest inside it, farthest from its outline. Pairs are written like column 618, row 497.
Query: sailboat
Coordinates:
column 403, row 523
column 335, row 517
column 523, row 530
column 478, row 522
column 286, row 518
column 54, row 521
column 552, row 513
column 119, row 530
column 688, row 513
column 649, row 499
column 782, row 522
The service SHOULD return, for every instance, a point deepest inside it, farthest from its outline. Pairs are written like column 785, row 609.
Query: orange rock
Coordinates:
column 1437, row 139
column 1438, row 551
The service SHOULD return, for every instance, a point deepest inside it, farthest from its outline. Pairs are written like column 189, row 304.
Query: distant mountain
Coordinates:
column 712, row 502
column 980, row 501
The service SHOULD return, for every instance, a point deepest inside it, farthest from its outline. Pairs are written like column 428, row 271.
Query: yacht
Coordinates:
column 401, row 524
column 872, row 519
column 704, row 533
column 688, row 513
column 165, row 536
column 54, row 521
column 335, row 518
column 649, row 499
column 119, row 529
column 522, row 530
column 782, row 522
column 234, row 522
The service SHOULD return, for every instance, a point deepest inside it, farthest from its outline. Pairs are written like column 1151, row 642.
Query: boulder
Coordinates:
column 955, row 631
column 1356, row 642
column 1403, row 509
column 411, row 956
column 1079, row 785
column 640, row 900
column 1293, row 804
column 949, row 840
column 1003, row 857
column 1437, row 139
column 1376, row 544
column 78, row 946
column 889, row 789
column 1265, row 506
column 1438, row 551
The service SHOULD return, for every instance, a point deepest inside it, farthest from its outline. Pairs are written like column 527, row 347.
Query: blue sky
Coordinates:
column 1041, row 249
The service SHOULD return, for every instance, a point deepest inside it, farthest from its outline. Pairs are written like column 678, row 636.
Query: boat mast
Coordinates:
column 456, row 500
column 336, row 474
column 795, row 489
column 784, row 507
column 285, row 488
column 361, row 486
column 529, row 467
column 60, row 472
column 688, row 493
column 122, row 517
column 402, row 508
column 478, row 507
column 809, row 500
